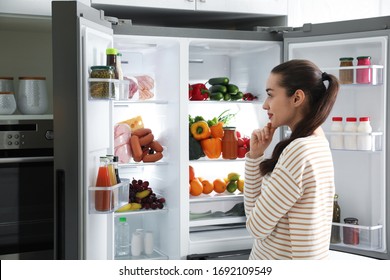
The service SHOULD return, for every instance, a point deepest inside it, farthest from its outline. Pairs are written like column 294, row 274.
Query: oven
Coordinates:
column 26, row 189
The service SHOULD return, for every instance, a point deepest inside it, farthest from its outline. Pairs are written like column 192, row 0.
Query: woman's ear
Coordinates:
column 298, row 97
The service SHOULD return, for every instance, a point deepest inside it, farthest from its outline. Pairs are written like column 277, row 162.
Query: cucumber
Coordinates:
column 239, row 95
column 218, row 88
column 227, row 97
column 216, row 96
column 232, row 89
column 219, row 81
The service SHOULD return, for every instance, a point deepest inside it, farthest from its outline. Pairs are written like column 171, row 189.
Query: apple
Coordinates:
column 241, row 151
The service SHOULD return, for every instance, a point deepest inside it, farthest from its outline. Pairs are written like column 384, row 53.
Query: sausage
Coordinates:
column 152, row 157
column 140, row 132
column 156, row 146
column 135, row 148
column 146, row 140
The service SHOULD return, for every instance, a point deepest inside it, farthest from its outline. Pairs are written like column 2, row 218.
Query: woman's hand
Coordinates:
column 260, row 140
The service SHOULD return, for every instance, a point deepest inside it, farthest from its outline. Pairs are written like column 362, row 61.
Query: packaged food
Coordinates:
column 346, row 76
column 100, row 86
column 363, row 76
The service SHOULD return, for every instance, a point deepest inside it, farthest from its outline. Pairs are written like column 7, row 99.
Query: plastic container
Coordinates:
column 123, row 237
column 32, row 96
column 336, row 140
column 346, row 76
column 364, row 76
column 229, row 143
column 351, row 234
column 364, row 141
column 350, row 141
column 7, row 103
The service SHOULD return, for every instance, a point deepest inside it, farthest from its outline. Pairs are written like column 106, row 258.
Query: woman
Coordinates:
column 289, row 197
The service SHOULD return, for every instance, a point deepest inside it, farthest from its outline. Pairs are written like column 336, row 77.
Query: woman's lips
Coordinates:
column 270, row 116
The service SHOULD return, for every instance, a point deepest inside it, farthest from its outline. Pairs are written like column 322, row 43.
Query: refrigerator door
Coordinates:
column 360, row 175
column 82, row 129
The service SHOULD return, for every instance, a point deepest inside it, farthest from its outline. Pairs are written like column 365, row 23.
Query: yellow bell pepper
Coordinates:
column 200, row 130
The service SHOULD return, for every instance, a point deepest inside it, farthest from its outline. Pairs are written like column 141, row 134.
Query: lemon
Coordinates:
column 240, row 185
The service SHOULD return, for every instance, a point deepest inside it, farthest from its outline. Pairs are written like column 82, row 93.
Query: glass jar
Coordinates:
column 32, row 95
column 335, row 234
column 102, row 89
column 229, row 143
column 7, row 103
column 363, row 76
column 346, row 76
column 351, row 234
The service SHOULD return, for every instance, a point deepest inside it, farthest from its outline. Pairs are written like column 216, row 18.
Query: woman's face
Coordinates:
column 281, row 109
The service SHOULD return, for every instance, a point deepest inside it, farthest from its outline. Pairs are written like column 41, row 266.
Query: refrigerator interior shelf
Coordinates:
column 142, row 212
column 156, row 255
column 220, row 159
column 107, row 89
column 217, row 221
column 353, row 67
column 127, row 103
column 213, row 197
column 258, row 101
column 361, row 227
column 220, row 235
column 375, row 73
column 141, row 164
column 103, row 200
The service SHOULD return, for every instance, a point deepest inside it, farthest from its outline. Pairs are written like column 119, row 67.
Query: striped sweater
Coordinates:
column 289, row 211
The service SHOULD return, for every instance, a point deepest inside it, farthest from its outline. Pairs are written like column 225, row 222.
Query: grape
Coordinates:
column 145, row 184
column 140, row 182
column 160, row 205
column 146, row 205
column 153, row 206
column 134, row 181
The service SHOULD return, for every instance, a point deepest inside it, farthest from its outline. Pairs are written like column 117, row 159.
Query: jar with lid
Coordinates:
column 346, row 75
column 363, row 75
column 335, row 234
column 7, row 84
column 336, row 139
column 7, row 103
column 364, row 140
column 350, row 141
column 99, row 86
column 229, row 143
column 32, row 95
column 351, row 234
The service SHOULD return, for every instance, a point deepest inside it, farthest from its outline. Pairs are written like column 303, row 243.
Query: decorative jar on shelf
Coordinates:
column 7, row 103
column 32, row 96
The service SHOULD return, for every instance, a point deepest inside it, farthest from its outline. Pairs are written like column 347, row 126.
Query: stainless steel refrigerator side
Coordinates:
column 67, row 85
column 355, row 29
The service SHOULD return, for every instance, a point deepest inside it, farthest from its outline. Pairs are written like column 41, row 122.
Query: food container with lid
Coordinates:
column 102, row 83
column 7, row 84
column 364, row 75
column 32, row 96
column 346, row 75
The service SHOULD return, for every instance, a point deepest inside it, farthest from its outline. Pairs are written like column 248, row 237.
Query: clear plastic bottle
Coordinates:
column 350, row 141
column 336, row 139
column 364, row 141
column 123, row 237
column 119, row 66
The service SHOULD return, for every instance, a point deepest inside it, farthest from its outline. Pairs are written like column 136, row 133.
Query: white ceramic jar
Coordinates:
column 32, row 95
column 7, row 103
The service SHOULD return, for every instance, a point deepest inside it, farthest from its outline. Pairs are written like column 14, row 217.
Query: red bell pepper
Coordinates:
column 198, row 92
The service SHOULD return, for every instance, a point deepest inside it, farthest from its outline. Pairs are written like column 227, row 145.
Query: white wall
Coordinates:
column 317, row 11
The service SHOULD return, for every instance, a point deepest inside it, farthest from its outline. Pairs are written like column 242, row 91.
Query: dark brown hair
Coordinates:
column 306, row 76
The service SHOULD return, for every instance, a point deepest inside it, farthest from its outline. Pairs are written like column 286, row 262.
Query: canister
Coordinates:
column 7, row 84
column 351, row 234
column 364, row 75
column 7, row 103
column 346, row 76
column 32, row 95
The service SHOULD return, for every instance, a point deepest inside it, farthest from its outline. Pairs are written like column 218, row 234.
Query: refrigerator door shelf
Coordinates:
column 156, row 255
column 369, row 237
column 376, row 139
column 375, row 72
column 106, row 89
column 142, row 212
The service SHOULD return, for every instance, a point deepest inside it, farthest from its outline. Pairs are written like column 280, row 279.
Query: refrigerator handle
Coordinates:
column 59, row 245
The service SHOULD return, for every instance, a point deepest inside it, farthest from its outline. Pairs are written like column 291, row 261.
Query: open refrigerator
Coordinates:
column 176, row 58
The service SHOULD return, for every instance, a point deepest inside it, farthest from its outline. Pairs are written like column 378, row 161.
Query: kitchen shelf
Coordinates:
column 156, row 255
column 26, row 117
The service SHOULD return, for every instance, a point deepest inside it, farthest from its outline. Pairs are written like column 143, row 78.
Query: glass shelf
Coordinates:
column 156, row 255
column 376, row 73
column 213, row 197
column 376, row 139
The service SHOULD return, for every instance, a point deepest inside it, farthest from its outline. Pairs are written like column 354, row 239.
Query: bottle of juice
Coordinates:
column 111, row 170
column 103, row 197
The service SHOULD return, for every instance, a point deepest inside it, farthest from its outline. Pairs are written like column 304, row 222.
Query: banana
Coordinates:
column 233, row 176
column 142, row 194
column 130, row 207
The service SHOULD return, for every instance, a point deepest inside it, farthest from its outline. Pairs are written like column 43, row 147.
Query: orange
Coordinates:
column 192, row 173
column 208, row 187
column 219, row 185
column 196, row 187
